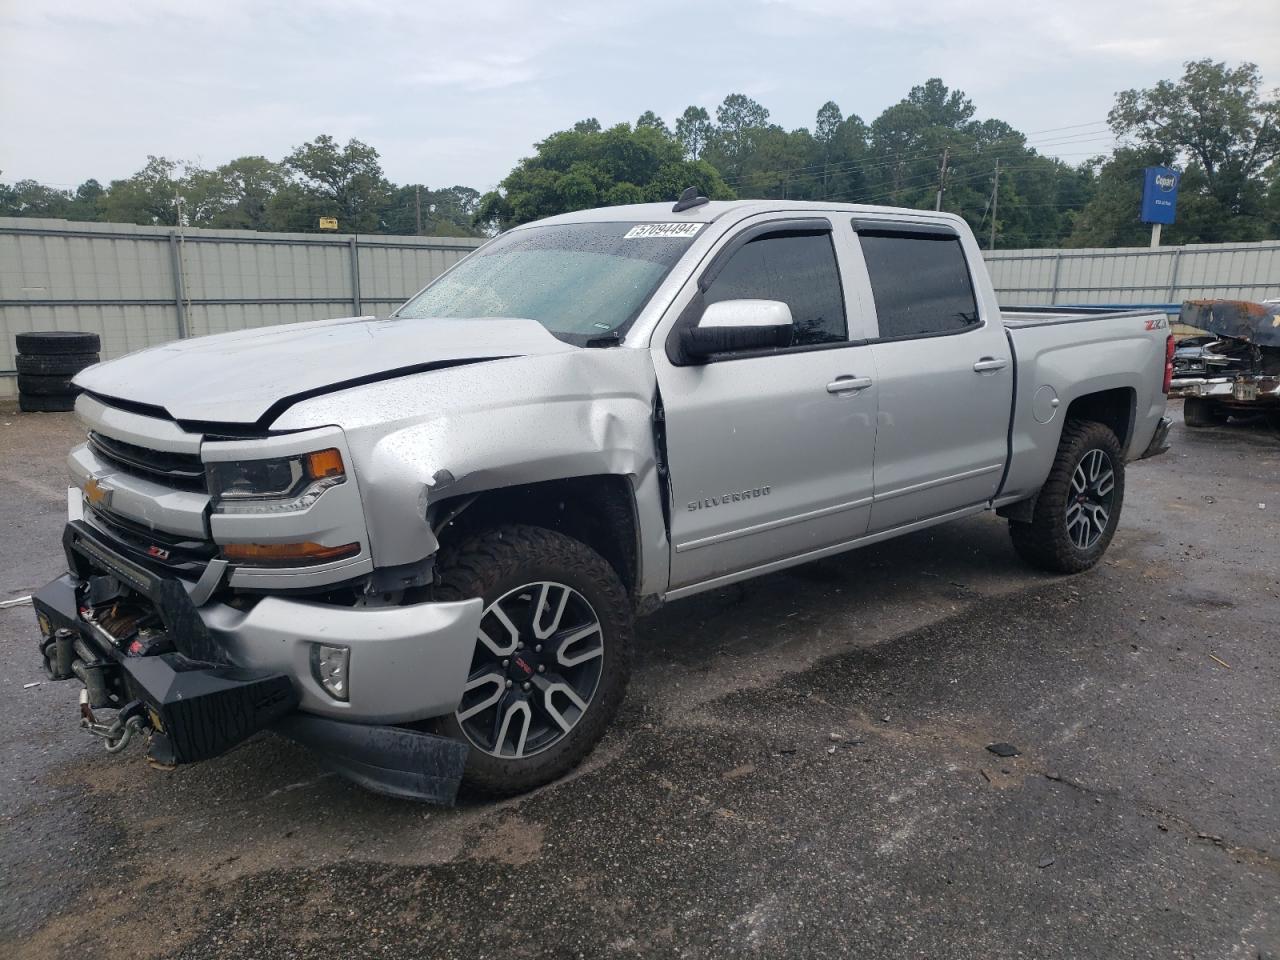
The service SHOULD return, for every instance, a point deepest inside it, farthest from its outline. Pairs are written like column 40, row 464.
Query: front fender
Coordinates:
column 490, row 425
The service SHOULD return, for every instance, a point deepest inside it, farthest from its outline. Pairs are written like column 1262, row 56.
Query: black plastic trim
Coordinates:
column 903, row 228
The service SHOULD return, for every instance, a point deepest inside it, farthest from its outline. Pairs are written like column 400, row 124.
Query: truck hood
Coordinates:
column 251, row 376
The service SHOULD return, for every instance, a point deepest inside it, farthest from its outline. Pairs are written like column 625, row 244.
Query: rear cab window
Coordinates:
column 920, row 282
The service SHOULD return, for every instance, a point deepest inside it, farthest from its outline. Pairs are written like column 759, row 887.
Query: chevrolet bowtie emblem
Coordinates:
column 96, row 494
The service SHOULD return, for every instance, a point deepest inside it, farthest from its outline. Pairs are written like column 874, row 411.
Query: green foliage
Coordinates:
column 149, row 196
column 27, row 198
column 346, row 181
column 1216, row 124
column 585, row 167
column 652, row 121
column 693, row 130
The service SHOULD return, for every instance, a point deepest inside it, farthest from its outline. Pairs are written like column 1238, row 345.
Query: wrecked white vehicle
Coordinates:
column 1238, row 372
column 417, row 544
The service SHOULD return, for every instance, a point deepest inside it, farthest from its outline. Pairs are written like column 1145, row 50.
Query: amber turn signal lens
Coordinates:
column 324, row 463
column 286, row 554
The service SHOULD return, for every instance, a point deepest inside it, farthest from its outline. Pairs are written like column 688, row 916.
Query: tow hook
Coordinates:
column 129, row 722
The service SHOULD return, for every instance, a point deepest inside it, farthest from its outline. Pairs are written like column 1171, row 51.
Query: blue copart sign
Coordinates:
column 1159, row 194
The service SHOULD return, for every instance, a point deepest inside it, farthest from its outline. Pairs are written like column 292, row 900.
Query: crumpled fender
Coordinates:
column 484, row 426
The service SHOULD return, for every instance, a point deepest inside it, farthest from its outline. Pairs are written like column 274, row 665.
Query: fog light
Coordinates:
column 329, row 664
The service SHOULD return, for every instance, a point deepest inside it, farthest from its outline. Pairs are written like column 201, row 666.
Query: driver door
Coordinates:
column 770, row 452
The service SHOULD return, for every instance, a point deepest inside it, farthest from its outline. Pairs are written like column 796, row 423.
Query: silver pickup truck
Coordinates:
column 417, row 544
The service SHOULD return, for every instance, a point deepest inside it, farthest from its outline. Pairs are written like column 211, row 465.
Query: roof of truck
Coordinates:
column 715, row 209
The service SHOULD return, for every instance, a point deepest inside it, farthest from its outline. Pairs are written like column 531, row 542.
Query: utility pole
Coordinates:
column 942, row 178
column 995, row 201
column 417, row 203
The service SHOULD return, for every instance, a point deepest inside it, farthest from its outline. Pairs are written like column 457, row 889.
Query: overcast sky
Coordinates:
column 457, row 92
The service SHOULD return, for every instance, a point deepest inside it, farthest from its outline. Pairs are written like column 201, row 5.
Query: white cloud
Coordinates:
column 456, row 93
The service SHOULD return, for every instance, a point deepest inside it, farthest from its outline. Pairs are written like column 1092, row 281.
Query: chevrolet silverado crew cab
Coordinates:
column 417, row 543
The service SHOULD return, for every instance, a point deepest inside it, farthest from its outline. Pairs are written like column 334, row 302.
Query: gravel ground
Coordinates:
column 800, row 768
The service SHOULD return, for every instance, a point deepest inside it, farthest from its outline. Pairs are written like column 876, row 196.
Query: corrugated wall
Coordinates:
column 1137, row 275
column 139, row 286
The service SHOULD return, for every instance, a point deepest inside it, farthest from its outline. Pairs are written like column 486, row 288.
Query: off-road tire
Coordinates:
column 33, row 403
column 1045, row 542
column 491, row 563
column 1199, row 412
column 64, row 365
column 56, row 386
column 56, row 343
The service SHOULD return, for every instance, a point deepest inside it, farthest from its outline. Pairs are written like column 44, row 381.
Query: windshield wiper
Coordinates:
column 608, row 340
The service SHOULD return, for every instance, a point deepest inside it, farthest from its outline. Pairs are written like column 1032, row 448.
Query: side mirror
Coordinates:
column 732, row 326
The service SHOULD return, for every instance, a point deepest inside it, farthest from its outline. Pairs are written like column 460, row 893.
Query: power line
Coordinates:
column 1072, row 126
column 848, row 166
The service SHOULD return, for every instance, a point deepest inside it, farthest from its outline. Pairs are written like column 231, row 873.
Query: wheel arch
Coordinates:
column 1115, row 408
column 599, row 510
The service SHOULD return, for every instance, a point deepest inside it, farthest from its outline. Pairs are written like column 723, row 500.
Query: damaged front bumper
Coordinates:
column 200, row 679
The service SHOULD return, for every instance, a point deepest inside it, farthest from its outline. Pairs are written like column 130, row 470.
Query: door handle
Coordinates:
column 848, row 384
column 987, row 364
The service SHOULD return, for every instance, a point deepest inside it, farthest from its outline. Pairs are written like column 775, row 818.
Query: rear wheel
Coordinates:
column 1078, row 508
column 1199, row 412
column 552, row 655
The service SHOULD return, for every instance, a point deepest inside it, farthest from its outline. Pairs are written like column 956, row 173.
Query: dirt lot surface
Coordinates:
column 800, row 769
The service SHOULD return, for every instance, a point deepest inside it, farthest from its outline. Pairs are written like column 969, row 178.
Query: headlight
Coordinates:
column 279, row 484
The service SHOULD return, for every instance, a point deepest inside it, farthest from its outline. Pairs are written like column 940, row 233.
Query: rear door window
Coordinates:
column 921, row 283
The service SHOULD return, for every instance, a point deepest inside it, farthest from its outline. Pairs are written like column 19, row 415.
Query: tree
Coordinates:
column 650, row 120
column 236, row 195
column 941, row 106
column 86, row 205
column 589, row 125
column 347, row 181
column 1216, row 118
column 693, row 130
column 1214, row 123
column 739, row 120
column 28, row 198
column 577, row 169
column 445, row 213
column 147, row 197
column 828, row 123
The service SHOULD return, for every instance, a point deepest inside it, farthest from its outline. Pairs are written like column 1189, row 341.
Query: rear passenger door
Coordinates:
column 944, row 372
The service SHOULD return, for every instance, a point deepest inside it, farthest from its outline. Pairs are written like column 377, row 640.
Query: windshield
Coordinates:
column 582, row 281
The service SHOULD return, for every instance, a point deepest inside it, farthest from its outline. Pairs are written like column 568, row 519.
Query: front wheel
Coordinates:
column 552, row 655
column 1079, row 505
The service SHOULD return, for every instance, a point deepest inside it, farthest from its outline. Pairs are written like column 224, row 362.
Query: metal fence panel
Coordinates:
column 1137, row 275
column 139, row 286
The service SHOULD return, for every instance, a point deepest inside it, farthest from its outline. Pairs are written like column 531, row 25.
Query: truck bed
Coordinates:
column 1067, row 352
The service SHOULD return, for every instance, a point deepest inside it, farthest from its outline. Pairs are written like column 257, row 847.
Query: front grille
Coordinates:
column 181, row 470
column 152, row 546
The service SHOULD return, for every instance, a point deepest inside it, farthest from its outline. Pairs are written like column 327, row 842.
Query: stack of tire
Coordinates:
column 46, row 363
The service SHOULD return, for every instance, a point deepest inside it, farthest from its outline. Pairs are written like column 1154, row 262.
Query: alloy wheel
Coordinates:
column 1090, row 499
column 537, row 663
